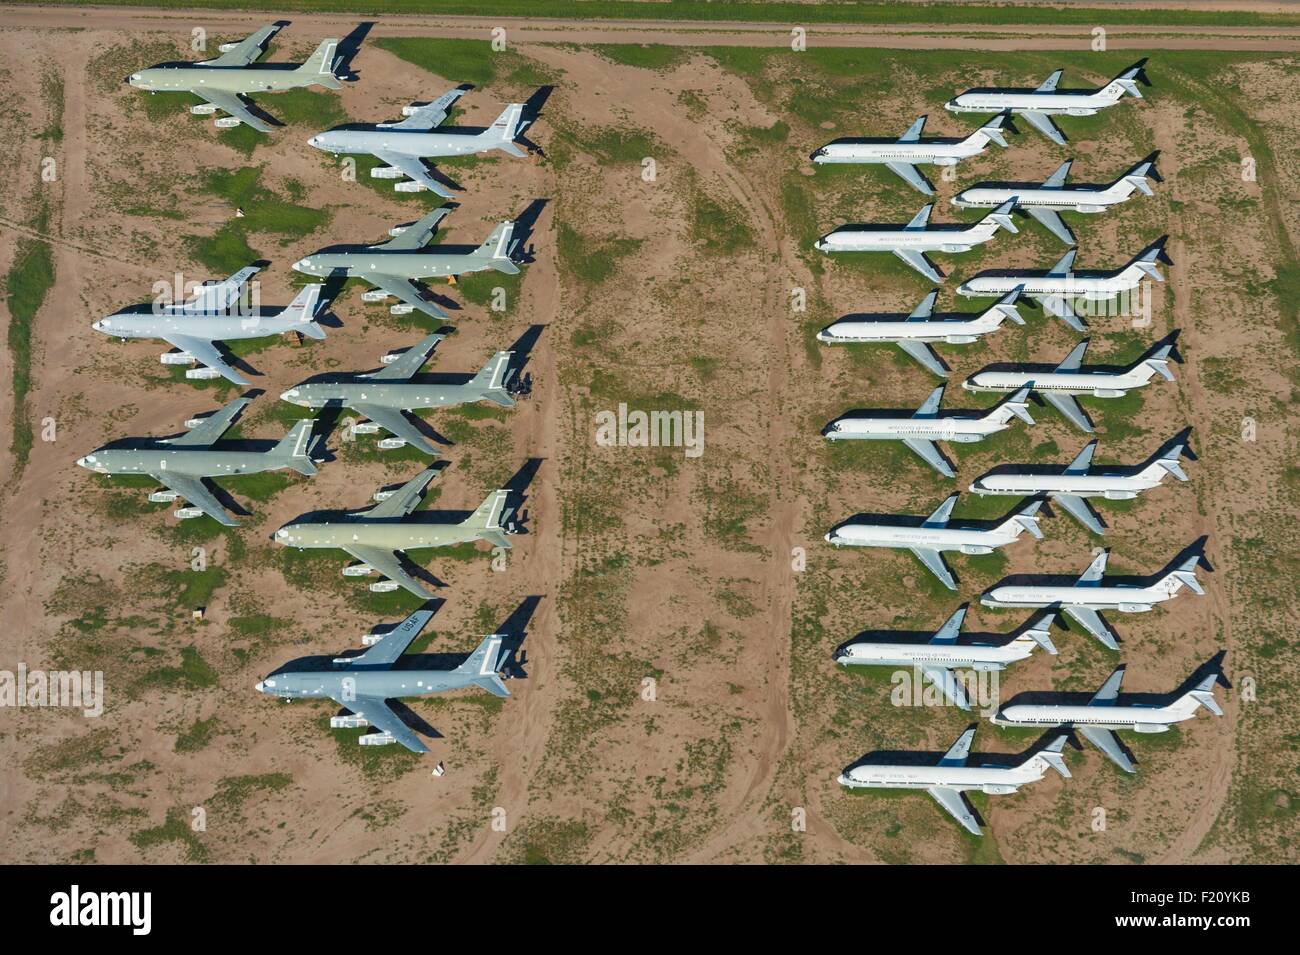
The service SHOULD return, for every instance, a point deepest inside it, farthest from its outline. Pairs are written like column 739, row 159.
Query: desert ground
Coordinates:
column 675, row 700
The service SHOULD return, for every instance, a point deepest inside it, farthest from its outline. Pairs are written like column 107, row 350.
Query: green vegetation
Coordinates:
column 650, row 56
column 29, row 280
column 465, row 61
column 198, row 736
column 592, row 260
column 263, row 211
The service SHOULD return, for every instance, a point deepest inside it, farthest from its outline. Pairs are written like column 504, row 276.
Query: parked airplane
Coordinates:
column 916, row 330
column 382, row 396
column 1070, row 488
column 1082, row 600
column 1038, row 106
column 224, row 82
column 376, row 536
column 1102, row 715
column 904, row 154
column 941, row 655
column 395, row 265
column 922, row 429
column 1046, row 201
column 216, row 313
column 1058, row 387
column 951, row 776
column 403, row 146
column 364, row 684
column 912, row 241
column 181, row 464
column 933, row 536
column 1058, row 287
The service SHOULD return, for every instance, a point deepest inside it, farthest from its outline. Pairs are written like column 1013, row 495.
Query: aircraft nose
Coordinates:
column 260, row 686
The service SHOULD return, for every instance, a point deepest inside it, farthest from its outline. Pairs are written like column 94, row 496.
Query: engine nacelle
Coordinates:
column 1080, row 111
column 187, row 513
column 1120, row 495
column 383, row 586
column 377, row 739
column 374, row 295
column 409, row 186
column 370, row 639
column 203, row 109
column 998, row 789
column 954, row 248
column 986, row 667
column 357, row 570
column 386, row 172
column 1134, row 608
column 1089, row 208
column 176, row 358
column 390, row 444
column 365, row 427
column 397, row 230
column 348, row 722
column 1150, row 727
column 961, row 339
column 226, row 122
column 410, row 110
column 163, row 497
column 383, row 495
column 202, row 374
column 402, row 309
column 227, row 47
column 1108, row 393
column 974, row 549
column 943, row 161
column 194, row 422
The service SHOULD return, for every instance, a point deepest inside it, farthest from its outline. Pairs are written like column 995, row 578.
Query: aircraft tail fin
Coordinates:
column 1040, row 634
column 505, row 128
column 302, row 310
column 1158, row 363
column 319, row 68
column 1025, row 519
column 492, row 379
column 1137, row 178
column 1200, row 695
column 1005, row 307
column 1184, row 575
column 483, row 665
column 1051, row 755
column 1169, row 462
column 294, row 449
column 487, row 517
column 992, row 131
column 1016, row 405
column 499, row 248
column 1126, row 82
column 1001, row 216
column 1145, row 261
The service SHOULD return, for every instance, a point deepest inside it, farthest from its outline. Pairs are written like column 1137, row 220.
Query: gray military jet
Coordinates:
column 403, row 146
column 383, row 395
column 181, row 464
column 218, row 312
column 376, row 536
column 395, row 265
column 364, row 684
column 224, row 82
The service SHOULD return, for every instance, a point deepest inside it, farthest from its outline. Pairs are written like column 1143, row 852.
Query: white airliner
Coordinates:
column 1058, row 287
column 1058, row 387
column 912, row 241
column 933, row 536
column 946, row 780
column 903, row 155
column 1098, row 720
column 1077, row 482
column 1082, row 600
column 1045, row 202
column 913, row 333
column 938, row 658
column 922, row 429
column 1039, row 105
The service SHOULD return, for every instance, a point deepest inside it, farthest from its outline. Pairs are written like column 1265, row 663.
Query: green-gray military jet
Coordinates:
column 383, row 395
column 223, row 82
column 180, row 464
column 376, row 536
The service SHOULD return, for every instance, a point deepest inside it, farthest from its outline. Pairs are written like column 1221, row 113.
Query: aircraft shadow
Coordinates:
column 1048, row 368
column 1197, row 547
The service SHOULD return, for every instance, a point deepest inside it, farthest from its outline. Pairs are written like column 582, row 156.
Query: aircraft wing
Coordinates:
column 930, row 455
column 1057, row 179
column 195, row 492
column 1083, row 460
column 232, row 104
column 207, row 353
column 1096, row 570
column 382, row 718
column 1053, row 222
column 1060, row 306
column 955, row 806
column 402, row 289
column 429, row 115
column 1109, row 691
column 1074, row 360
column 924, row 355
column 947, row 683
column 392, row 419
column 404, row 500
column 388, row 564
column 409, row 362
column 246, row 50
column 951, row 628
column 413, row 168
column 1043, row 123
column 959, row 751
column 1069, row 408
column 395, row 642
column 218, row 296
column 925, row 309
column 1078, row 508
column 1049, row 85
column 1091, row 621
column 912, row 176
column 208, row 430
column 933, row 560
column 419, row 232
column 918, row 261
column 1106, row 741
